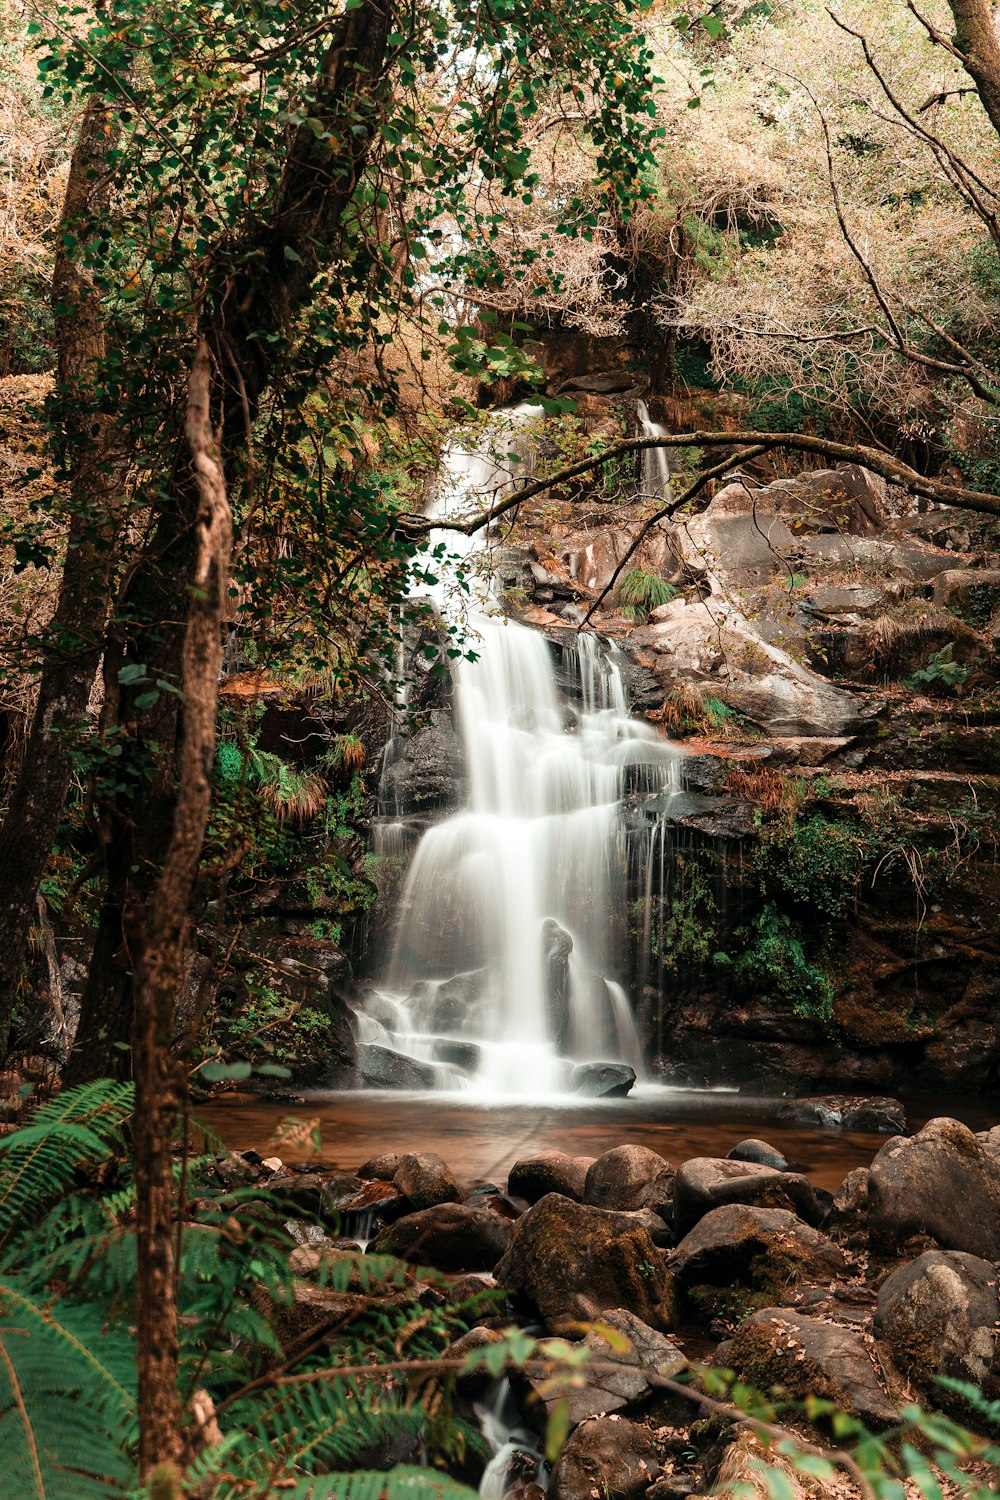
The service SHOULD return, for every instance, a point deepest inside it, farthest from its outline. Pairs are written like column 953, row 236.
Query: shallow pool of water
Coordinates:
column 481, row 1139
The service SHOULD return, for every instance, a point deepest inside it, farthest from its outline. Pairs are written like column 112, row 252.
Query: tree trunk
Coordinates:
column 161, row 947
column 976, row 39
column 136, row 826
column 75, row 635
column 264, row 299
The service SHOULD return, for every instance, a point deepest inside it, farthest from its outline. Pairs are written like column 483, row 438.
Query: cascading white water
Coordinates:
column 504, row 957
column 655, row 461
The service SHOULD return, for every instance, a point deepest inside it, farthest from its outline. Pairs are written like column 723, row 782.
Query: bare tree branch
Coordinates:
column 880, row 462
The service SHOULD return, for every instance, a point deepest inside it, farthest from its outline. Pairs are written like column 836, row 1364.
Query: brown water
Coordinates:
column 482, row 1140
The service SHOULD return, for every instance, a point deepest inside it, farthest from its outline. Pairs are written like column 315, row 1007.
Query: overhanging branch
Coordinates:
column 886, row 465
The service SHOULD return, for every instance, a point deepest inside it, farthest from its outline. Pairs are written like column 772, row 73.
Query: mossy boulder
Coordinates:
column 780, row 1346
column 572, row 1263
column 743, row 1250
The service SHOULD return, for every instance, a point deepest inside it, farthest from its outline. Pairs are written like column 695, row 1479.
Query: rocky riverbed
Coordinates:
column 863, row 1297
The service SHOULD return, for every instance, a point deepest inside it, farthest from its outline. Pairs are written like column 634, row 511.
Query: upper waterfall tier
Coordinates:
column 509, row 945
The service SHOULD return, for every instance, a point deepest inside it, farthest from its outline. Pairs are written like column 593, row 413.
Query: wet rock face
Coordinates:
column 557, row 945
column 706, row 1182
column 611, row 1080
column 877, row 1113
column 943, row 1183
column 428, row 772
column 780, row 1346
column 571, row 1263
column 449, row 1237
column 940, row 1315
column 382, row 1068
column 610, row 1457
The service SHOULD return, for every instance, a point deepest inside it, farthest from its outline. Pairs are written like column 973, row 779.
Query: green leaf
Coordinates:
column 216, row 1072
column 556, row 1429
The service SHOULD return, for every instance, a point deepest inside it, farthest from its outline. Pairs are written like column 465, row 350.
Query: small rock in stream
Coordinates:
column 758, row 1152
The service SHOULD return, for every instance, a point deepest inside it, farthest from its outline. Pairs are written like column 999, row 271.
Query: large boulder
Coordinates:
column 849, row 500
column 943, row 1183
column 715, row 646
column 549, row 1172
column 708, row 1182
column 608, row 1456
column 448, row 1236
column 630, row 1177
column 572, row 1263
column 606, row 1390
column 603, row 1080
column 940, row 1314
column 780, row 1346
column 382, row 1068
column 425, row 1179
column 764, row 1248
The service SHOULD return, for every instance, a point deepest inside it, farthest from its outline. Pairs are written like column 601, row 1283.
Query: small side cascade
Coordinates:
column 516, row 1459
column 510, row 945
column 655, row 471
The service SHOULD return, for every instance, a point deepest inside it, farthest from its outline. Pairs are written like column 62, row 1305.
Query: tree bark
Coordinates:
column 77, row 628
column 976, row 40
column 161, row 945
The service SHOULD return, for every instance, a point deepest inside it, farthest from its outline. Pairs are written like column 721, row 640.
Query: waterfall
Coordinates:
column 655, row 471
column 508, row 951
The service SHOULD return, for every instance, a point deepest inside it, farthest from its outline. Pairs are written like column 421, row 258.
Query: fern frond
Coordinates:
column 314, row 1428
column 38, row 1160
column 67, row 1400
column 402, row 1483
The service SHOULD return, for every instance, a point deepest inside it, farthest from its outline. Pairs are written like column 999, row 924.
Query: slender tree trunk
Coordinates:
column 77, row 628
column 161, row 947
column 976, row 39
column 136, row 826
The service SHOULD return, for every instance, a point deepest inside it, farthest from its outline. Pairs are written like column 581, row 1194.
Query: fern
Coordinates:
column 67, row 1400
column 640, row 592
column 38, row 1161
column 401, row 1483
